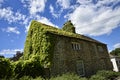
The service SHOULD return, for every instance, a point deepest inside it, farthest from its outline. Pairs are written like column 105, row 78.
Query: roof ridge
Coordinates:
column 58, row 31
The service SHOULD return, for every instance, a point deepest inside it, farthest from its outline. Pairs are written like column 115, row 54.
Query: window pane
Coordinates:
column 75, row 46
column 100, row 48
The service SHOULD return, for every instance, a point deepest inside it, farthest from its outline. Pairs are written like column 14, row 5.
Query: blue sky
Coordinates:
column 99, row 19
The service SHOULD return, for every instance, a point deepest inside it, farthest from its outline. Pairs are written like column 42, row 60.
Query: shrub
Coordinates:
column 29, row 67
column 32, row 68
column 97, row 77
column 6, row 68
column 108, row 74
column 68, row 76
column 105, row 75
column 18, row 68
column 26, row 78
column 38, row 78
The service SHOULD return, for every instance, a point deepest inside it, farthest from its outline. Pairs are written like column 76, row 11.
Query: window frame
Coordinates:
column 76, row 46
column 100, row 48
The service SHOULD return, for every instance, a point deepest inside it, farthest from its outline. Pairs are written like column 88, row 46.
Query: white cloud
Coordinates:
column 10, row 16
column 107, row 2
column 11, row 30
column 10, row 51
column 117, row 45
column 27, row 26
column 34, row 6
column 37, row 6
column 46, row 21
column 64, row 3
column 60, row 6
column 39, row 19
column 1, row 1
column 91, row 20
column 84, row 2
column 52, row 11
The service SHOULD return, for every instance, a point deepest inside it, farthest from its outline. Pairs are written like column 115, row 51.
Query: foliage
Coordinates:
column 31, row 67
column 68, row 26
column 101, row 75
column 38, row 78
column 6, row 68
column 115, row 52
column 40, row 43
column 97, row 77
column 108, row 74
column 26, row 78
column 68, row 76
column 105, row 75
column 18, row 66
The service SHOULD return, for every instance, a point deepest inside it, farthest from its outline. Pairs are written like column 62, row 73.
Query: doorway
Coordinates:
column 80, row 68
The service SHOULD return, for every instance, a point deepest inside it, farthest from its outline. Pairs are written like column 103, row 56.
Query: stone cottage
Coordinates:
column 70, row 52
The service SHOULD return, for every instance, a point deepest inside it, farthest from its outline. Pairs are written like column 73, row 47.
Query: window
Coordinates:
column 75, row 46
column 100, row 48
column 117, row 62
column 119, row 68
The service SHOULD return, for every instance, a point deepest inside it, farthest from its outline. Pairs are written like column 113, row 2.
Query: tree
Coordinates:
column 17, row 56
column 1, row 56
column 115, row 52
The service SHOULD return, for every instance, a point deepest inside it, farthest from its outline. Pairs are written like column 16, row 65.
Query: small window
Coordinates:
column 119, row 68
column 75, row 46
column 117, row 62
column 100, row 48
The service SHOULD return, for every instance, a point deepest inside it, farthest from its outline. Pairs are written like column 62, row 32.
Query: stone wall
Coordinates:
column 66, row 58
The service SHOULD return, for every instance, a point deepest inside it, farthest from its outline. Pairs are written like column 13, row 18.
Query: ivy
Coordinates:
column 39, row 42
column 69, row 27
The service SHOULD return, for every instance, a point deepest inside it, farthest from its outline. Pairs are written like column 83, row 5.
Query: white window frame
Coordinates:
column 76, row 46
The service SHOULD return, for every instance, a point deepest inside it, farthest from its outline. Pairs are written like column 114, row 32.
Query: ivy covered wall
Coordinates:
column 41, row 39
column 39, row 43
